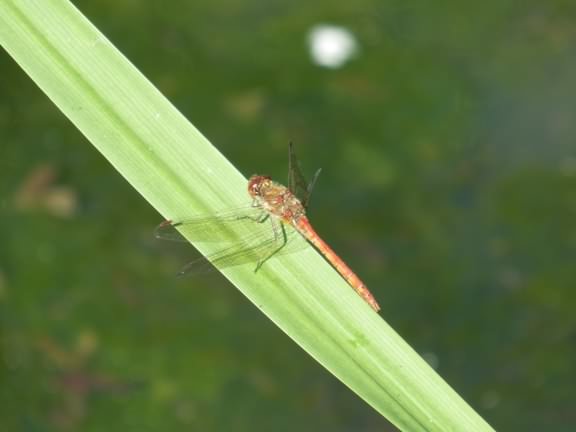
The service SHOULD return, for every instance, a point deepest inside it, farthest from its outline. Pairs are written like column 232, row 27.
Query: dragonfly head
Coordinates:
column 256, row 184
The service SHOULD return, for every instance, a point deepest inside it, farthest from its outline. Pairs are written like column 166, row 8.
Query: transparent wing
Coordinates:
column 296, row 181
column 210, row 228
column 256, row 250
column 266, row 237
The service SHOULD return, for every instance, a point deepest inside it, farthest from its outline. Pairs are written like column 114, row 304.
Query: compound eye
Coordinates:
column 254, row 185
column 258, row 185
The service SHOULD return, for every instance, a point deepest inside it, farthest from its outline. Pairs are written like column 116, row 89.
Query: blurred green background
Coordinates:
column 449, row 184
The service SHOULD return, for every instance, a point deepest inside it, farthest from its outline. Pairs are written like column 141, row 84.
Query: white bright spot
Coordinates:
column 331, row 46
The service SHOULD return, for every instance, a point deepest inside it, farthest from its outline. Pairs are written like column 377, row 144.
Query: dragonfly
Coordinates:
column 275, row 205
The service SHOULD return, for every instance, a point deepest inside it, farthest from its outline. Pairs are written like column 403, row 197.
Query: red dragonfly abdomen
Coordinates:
column 303, row 226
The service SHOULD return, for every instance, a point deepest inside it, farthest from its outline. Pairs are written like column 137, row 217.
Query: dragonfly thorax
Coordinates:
column 275, row 198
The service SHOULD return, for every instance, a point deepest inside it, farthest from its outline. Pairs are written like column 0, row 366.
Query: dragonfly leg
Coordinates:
column 263, row 218
column 260, row 218
column 279, row 235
